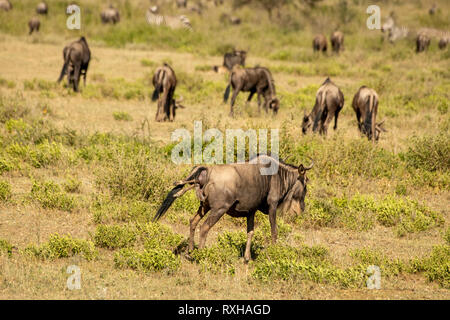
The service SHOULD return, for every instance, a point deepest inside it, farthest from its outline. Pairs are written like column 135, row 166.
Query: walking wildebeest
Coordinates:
column 337, row 41
column 422, row 42
column 42, row 8
column 320, row 43
column 329, row 102
column 110, row 15
column 165, row 82
column 76, row 62
column 240, row 189
column 230, row 59
column 34, row 25
column 365, row 104
column 254, row 80
column 5, row 5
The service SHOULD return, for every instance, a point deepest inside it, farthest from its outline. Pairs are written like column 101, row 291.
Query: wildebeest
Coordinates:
column 443, row 43
column 365, row 104
column 433, row 9
column 110, row 15
column 76, row 62
column 165, row 82
column 5, row 5
column 320, row 43
column 240, row 189
column 42, row 8
column 329, row 102
column 337, row 41
column 181, row 3
column 422, row 42
column 230, row 59
column 254, row 80
column 34, row 25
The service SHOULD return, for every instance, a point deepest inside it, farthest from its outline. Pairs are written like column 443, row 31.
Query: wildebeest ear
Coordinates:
column 301, row 170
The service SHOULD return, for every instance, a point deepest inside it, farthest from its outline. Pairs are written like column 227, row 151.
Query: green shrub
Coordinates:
column 367, row 257
column 122, row 116
column 156, row 236
column 150, row 260
column 429, row 152
column 281, row 262
column 5, row 190
column 50, row 195
column 72, row 184
column 114, row 236
column 436, row 266
column 63, row 247
column 6, row 247
column 106, row 210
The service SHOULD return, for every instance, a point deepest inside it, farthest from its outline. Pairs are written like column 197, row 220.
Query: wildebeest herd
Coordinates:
column 240, row 189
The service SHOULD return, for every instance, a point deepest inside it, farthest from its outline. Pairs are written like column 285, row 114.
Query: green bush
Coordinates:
column 156, row 236
column 282, row 262
column 50, row 195
column 72, row 184
column 429, row 152
column 114, row 236
column 149, row 260
column 6, row 247
column 436, row 266
column 63, row 247
column 5, row 190
column 122, row 116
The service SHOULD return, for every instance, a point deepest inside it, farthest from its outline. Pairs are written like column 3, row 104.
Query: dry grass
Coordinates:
column 23, row 221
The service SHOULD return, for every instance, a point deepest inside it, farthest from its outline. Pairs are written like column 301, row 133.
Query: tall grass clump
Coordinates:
column 149, row 260
column 51, row 196
column 114, row 236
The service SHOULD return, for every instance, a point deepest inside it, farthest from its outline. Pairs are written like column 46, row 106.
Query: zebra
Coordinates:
column 173, row 22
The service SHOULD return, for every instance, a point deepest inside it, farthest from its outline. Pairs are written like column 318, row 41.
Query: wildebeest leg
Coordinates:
column 273, row 222
column 336, row 115
column 76, row 78
column 233, row 99
column 259, row 101
column 250, row 228
column 327, row 123
column 214, row 216
column 250, row 96
column 193, row 224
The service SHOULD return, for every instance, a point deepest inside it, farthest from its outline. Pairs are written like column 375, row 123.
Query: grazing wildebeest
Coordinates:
column 240, row 189
column 433, row 9
column 320, row 43
column 337, row 41
column 230, row 59
column 76, row 62
column 422, row 42
column 181, row 3
column 254, row 80
column 34, row 25
column 443, row 43
column 110, row 15
column 365, row 104
column 42, row 8
column 329, row 102
column 5, row 5
column 165, row 82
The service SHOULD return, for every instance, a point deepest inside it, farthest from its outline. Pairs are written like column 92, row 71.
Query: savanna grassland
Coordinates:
column 82, row 174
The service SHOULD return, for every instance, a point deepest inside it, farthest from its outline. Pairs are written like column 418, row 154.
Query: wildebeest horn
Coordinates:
column 302, row 169
column 311, row 165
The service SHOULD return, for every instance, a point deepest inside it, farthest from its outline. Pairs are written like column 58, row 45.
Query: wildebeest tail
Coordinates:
column 227, row 93
column 158, row 85
column 172, row 195
column 66, row 63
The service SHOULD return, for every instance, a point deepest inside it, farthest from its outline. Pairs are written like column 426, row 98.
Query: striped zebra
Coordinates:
column 173, row 22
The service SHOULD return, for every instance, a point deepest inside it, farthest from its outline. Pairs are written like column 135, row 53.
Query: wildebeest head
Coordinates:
column 306, row 123
column 274, row 104
column 295, row 198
